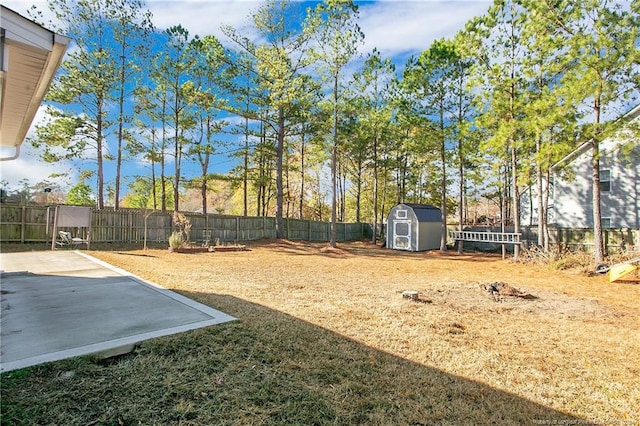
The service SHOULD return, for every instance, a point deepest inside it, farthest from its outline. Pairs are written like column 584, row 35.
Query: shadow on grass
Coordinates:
column 266, row 368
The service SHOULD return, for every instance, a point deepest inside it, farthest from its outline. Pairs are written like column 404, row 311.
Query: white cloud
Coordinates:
column 394, row 27
column 22, row 7
column 404, row 27
column 203, row 17
column 30, row 166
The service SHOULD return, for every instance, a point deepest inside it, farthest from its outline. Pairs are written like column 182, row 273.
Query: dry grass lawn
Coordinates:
column 325, row 337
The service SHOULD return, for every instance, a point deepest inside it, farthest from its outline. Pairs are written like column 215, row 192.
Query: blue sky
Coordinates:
column 397, row 28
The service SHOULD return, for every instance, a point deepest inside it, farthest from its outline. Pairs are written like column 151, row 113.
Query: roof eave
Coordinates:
column 583, row 147
column 25, row 35
column 54, row 59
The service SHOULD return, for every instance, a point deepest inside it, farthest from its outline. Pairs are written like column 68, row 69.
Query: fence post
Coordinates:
column 23, row 215
column 237, row 229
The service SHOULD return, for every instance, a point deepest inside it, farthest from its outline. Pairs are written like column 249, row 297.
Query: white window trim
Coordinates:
column 610, row 180
column 401, row 214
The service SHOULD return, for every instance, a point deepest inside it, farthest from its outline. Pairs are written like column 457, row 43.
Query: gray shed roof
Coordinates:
column 425, row 212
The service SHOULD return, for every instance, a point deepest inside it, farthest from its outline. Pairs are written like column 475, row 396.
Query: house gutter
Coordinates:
column 14, row 156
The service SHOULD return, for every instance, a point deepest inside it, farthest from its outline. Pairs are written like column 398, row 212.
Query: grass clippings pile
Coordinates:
column 325, row 337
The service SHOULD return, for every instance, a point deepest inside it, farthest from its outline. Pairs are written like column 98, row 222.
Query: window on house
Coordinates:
column 605, row 222
column 605, row 180
column 551, row 215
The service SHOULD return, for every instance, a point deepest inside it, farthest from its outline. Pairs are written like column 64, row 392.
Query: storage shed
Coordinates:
column 414, row 227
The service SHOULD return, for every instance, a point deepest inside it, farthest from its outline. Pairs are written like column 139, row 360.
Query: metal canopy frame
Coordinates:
column 72, row 217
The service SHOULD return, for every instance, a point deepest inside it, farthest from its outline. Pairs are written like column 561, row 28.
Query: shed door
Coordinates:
column 402, row 235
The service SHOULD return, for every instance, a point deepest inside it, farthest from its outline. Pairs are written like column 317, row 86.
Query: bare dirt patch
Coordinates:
column 575, row 347
column 474, row 296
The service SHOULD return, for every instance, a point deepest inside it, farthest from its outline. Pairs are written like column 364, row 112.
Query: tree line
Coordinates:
column 486, row 112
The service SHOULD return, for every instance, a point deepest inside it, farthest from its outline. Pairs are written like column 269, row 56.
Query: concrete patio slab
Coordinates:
column 62, row 304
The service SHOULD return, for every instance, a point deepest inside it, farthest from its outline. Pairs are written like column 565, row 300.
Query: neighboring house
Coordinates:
column 571, row 198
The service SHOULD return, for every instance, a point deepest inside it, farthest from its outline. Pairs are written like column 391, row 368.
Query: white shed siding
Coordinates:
column 414, row 227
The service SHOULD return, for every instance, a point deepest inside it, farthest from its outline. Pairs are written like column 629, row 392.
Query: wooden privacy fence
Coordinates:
column 614, row 239
column 26, row 224
column 573, row 238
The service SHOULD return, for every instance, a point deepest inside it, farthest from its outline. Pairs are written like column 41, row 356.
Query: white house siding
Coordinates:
column 572, row 198
column 622, row 202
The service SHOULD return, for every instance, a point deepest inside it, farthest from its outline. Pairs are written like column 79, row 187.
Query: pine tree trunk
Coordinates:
column 461, row 195
column 359, row 189
column 545, row 217
column 177, row 150
column 598, row 254
column 153, row 170
column 334, row 159
column 539, row 198
column 116, row 203
column 100, row 176
column 163, row 189
column 443, row 184
column 245, row 174
column 301, row 205
column 516, row 198
column 279, row 188
column 503, row 208
column 374, row 237
column 598, row 249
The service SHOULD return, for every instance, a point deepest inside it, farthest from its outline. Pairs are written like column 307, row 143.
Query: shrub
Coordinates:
column 176, row 240
column 183, row 225
column 577, row 260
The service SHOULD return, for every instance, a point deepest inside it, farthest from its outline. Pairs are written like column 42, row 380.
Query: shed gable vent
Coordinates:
column 401, row 214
